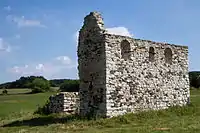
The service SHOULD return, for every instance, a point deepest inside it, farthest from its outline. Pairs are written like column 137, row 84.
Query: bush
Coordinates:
column 194, row 79
column 5, row 92
column 70, row 86
column 36, row 90
column 44, row 110
column 40, row 85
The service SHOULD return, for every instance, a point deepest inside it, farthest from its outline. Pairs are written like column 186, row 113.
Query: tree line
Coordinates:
column 40, row 84
column 194, row 77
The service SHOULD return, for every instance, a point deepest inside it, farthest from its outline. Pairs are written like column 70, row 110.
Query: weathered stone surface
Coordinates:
column 119, row 74
column 140, row 82
column 92, row 70
column 64, row 102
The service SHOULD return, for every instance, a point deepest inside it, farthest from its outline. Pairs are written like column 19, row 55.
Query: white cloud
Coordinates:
column 4, row 46
column 39, row 67
column 51, row 69
column 123, row 31
column 7, row 8
column 23, row 22
column 64, row 59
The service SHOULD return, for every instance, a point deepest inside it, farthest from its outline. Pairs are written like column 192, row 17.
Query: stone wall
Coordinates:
column 119, row 74
column 67, row 102
column 92, row 70
column 148, row 75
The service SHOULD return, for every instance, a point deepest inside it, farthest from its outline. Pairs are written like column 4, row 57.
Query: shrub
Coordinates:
column 70, row 86
column 44, row 110
column 5, row 92
column 36, row 90
column 40, row 85
column 194, row 79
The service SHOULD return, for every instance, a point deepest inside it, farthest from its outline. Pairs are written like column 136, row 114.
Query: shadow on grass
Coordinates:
column 43, row 120
column 176, row 111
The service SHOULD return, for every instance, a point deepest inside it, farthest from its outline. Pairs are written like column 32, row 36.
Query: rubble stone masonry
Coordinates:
column 119, row 74
column 67, row 102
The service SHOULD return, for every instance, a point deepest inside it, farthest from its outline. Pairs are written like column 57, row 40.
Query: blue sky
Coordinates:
column 38, row 37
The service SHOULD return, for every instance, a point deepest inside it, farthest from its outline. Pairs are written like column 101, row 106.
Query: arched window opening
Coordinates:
column 168, row 55
column 151, row 54
column 125, row 49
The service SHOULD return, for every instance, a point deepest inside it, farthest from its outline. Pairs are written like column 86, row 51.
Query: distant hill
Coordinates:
column 24, row 82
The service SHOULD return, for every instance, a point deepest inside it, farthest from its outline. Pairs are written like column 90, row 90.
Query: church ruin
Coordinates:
column 119, row 74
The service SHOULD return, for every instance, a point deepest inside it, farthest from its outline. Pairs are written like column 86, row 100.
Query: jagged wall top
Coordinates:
column 94, row 20
column 94, row 23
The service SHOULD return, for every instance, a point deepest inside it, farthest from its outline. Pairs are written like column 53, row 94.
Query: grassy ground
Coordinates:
column 16, row 91
column 173, row 120
column 19, row 100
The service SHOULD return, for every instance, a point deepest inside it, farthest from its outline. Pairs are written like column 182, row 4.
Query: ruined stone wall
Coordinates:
column 91, row 66
column 67, row 102
column 141, row 74
column 120, row 74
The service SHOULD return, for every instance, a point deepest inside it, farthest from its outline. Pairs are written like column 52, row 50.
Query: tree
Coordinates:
column 70, row 86
column 5, row 92
column 57, row 82
column 194, row 79
column 22, row 82
column 40, row 85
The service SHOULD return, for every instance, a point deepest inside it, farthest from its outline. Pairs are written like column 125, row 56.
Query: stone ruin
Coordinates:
column 120, row 74
column 67, row 102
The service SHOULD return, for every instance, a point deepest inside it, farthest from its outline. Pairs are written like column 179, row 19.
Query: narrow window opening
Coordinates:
column 151, row 54
column 168, row 55
column 125, row 49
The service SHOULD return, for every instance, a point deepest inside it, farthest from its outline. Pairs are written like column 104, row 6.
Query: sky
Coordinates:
column 39, row 37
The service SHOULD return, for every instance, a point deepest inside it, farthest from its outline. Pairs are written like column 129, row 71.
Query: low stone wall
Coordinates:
column 67, row 102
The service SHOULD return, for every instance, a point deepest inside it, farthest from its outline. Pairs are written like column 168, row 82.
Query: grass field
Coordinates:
column 16, row 91
column 16, row 115
column 21, row 101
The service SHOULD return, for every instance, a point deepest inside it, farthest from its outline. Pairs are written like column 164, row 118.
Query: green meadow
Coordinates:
column 17, row 116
